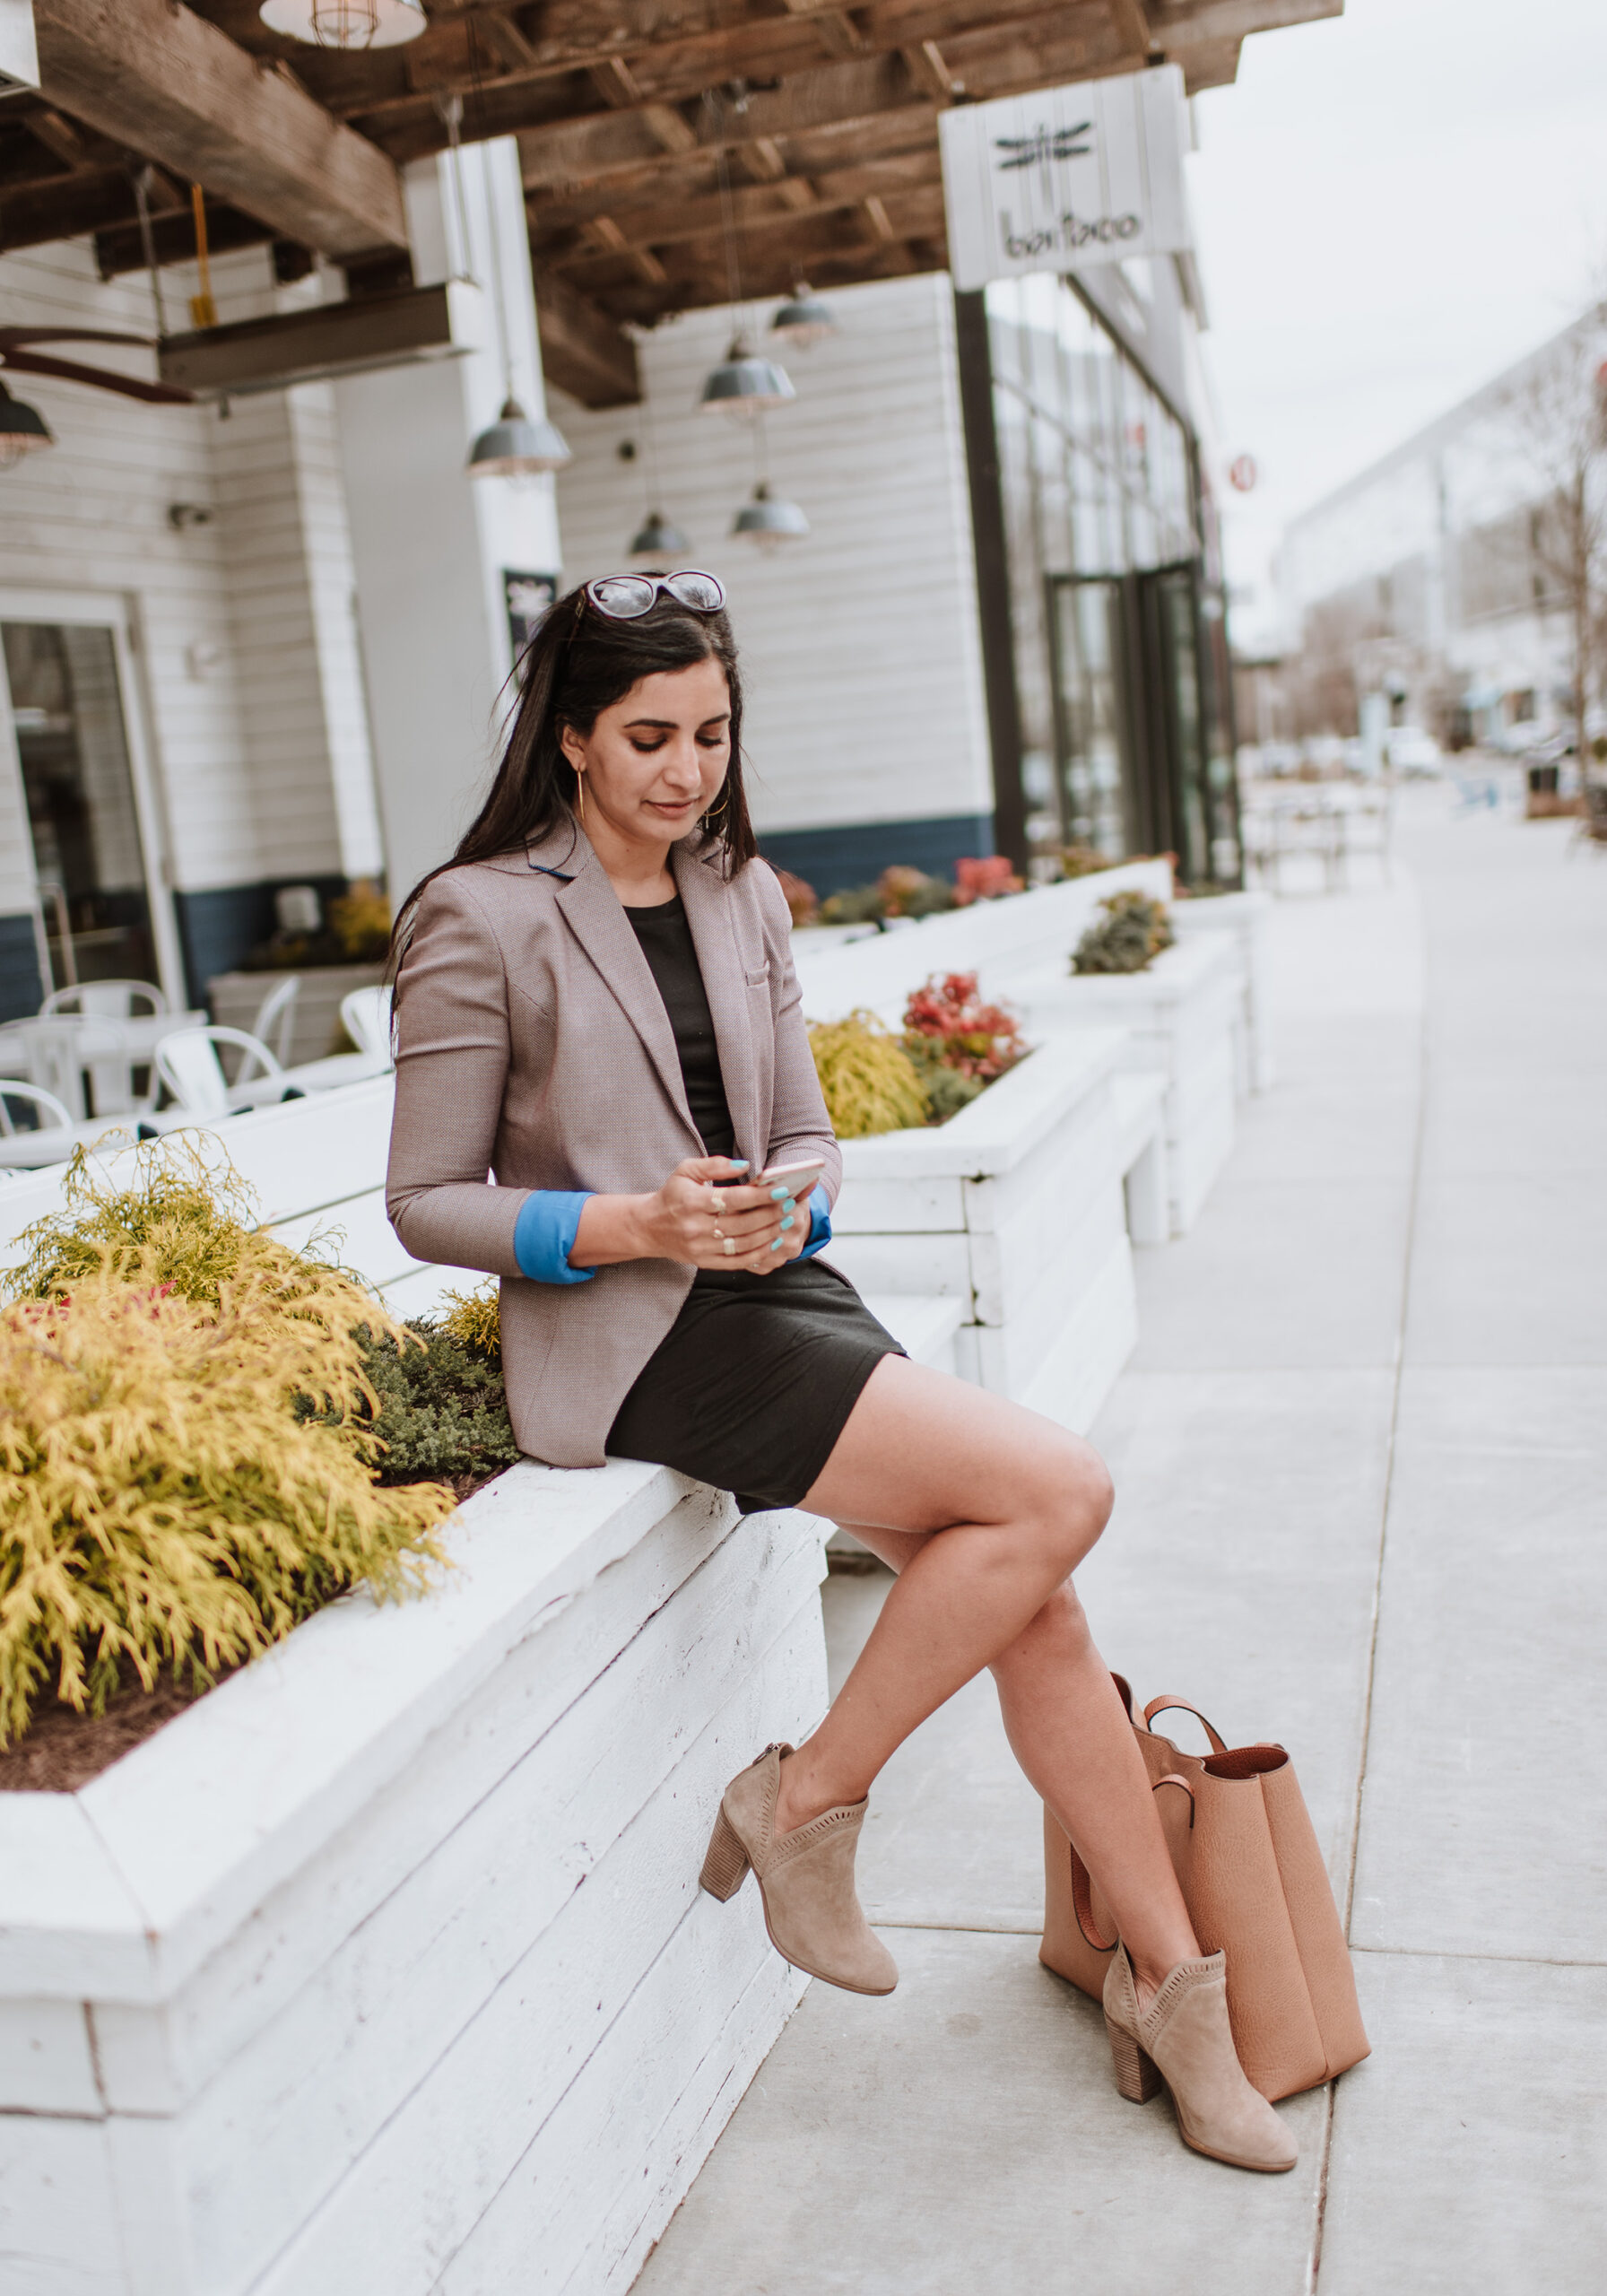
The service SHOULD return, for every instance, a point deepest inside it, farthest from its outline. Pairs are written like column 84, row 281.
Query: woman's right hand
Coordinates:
column 705, row 1215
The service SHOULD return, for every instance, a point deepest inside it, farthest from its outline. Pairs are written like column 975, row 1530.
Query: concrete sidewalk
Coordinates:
column 1361, row 1454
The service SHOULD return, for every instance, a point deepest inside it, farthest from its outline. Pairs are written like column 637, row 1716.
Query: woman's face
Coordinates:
column 656, row 760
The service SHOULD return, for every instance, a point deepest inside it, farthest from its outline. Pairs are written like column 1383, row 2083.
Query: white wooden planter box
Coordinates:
column 1180, row 1016
column 995, row 939
column 1014, row 1210
column 385, row 1967
column 1247, row 916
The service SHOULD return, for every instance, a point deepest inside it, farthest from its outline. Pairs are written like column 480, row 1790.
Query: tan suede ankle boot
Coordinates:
column 806, row 1880
column 1184, row 2039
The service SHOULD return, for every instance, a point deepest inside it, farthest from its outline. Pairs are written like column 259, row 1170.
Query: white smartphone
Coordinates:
column 798, row 1179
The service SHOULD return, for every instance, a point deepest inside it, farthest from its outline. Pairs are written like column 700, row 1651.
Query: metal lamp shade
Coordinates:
column 769, row 520
column 745, row 383
column 515, row 448
column 804, row 319
column 23, row 429
column 346, row 23
column 660, row 540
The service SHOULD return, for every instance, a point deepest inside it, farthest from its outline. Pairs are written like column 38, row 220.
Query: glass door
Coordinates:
column 1087, row 630
column 84, row 815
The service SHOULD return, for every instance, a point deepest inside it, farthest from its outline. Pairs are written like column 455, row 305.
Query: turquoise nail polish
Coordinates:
column 778, row 1195
column 786, row 1223
column 740, row 1162
column 776, row 1247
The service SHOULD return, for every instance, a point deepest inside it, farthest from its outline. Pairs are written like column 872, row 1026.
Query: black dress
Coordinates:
column 754, row 1381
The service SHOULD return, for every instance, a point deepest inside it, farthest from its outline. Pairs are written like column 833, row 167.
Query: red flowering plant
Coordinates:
column 973, row 1039
column 984, row 880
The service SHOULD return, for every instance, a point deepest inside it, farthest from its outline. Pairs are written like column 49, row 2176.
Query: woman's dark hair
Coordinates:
column 579, row 663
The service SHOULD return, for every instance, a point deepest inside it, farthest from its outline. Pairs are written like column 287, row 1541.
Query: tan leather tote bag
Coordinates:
column 1254, row 1881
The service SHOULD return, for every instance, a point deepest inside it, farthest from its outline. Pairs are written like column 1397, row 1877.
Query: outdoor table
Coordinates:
column 61, row 1048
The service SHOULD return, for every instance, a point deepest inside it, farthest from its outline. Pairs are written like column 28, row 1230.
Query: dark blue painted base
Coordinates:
column 217, row 930
column 830, row 859
column 22, row 991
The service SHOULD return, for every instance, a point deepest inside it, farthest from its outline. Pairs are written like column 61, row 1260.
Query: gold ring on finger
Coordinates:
column 716, row 1203
column 730, row 1247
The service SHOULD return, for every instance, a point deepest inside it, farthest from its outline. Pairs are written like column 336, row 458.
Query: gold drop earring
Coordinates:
column 580, row 795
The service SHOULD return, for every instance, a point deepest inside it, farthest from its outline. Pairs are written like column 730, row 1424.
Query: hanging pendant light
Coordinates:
column 659, row 540
column 769, row 519
column 346, row 23
column 745, row 383
column 515, row 448
column 23, row 430
column 804, row 319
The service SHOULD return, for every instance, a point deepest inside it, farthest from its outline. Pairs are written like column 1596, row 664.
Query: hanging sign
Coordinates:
column 1067, row 179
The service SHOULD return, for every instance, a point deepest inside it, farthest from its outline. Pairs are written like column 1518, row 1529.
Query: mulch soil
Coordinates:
column 61, row 1749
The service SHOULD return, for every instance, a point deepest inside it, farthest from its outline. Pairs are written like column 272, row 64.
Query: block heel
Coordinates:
column 1183, row 2039
column 805, row 1879
column 1135, row 2074
column 725, row 1864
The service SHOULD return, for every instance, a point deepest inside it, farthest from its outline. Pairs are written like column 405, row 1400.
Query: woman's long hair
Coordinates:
column 579, row 664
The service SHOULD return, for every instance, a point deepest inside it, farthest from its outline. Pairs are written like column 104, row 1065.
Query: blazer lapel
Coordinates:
column 590, row 908
column 706, row 899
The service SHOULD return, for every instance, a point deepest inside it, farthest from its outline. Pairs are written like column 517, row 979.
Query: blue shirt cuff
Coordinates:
column 820, row 1223
column 544, row 1235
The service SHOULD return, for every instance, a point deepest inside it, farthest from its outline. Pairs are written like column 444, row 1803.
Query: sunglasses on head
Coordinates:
column 626, row 597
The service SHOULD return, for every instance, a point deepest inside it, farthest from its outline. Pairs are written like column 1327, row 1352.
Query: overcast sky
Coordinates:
column 1392, row 205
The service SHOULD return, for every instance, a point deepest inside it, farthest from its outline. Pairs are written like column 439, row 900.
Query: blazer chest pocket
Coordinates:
column 757, row 976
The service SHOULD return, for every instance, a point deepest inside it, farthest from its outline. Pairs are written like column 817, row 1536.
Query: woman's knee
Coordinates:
column 1068, row 1496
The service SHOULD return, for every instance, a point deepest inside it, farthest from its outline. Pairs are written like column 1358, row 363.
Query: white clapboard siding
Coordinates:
column 997, row 940
column 860, row 645
column 250, row 693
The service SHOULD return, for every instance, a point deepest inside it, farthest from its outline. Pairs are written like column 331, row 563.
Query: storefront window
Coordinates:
column 1115, row 678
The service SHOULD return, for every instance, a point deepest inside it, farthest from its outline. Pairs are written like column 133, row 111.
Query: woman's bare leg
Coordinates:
column 985, row 1509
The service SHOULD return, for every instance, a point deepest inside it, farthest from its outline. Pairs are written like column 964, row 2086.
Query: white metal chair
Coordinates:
column 366, row 1017
column 106, row 1000
column 52, row 1114
column 189, row 1065
column 49, row 1141
column 276, row 1021
column 100, row 1005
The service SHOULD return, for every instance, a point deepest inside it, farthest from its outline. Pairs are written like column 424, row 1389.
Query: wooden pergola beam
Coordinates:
column 583, row 351
column 166, row 83
column 580, row 151
column 558, row 233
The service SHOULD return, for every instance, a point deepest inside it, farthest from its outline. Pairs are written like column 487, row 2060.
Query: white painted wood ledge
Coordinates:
column 385, row 1965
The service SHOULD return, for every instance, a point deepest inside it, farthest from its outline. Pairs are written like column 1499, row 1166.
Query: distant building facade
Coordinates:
column 1456, row 583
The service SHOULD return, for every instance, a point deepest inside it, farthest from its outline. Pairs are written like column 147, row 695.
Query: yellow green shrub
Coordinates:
column 868, row 1079
column 474, row 1318
column 167, row 1499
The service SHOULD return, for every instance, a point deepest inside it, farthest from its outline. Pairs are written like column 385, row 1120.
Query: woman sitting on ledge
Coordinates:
column 597, row 1002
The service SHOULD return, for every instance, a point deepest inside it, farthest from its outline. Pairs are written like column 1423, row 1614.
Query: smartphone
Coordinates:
column 799, row 1179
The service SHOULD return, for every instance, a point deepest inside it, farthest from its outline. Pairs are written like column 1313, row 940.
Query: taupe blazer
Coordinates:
column 533, row 1043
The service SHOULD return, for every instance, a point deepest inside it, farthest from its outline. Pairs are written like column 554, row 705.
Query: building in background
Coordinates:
column 262, row 642
column 1460, row 584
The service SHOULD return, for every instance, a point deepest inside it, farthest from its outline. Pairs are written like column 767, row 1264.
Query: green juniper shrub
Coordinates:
column 1134, row 930
column 855, row 905
column 947, row 1090
column 442, row 1408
